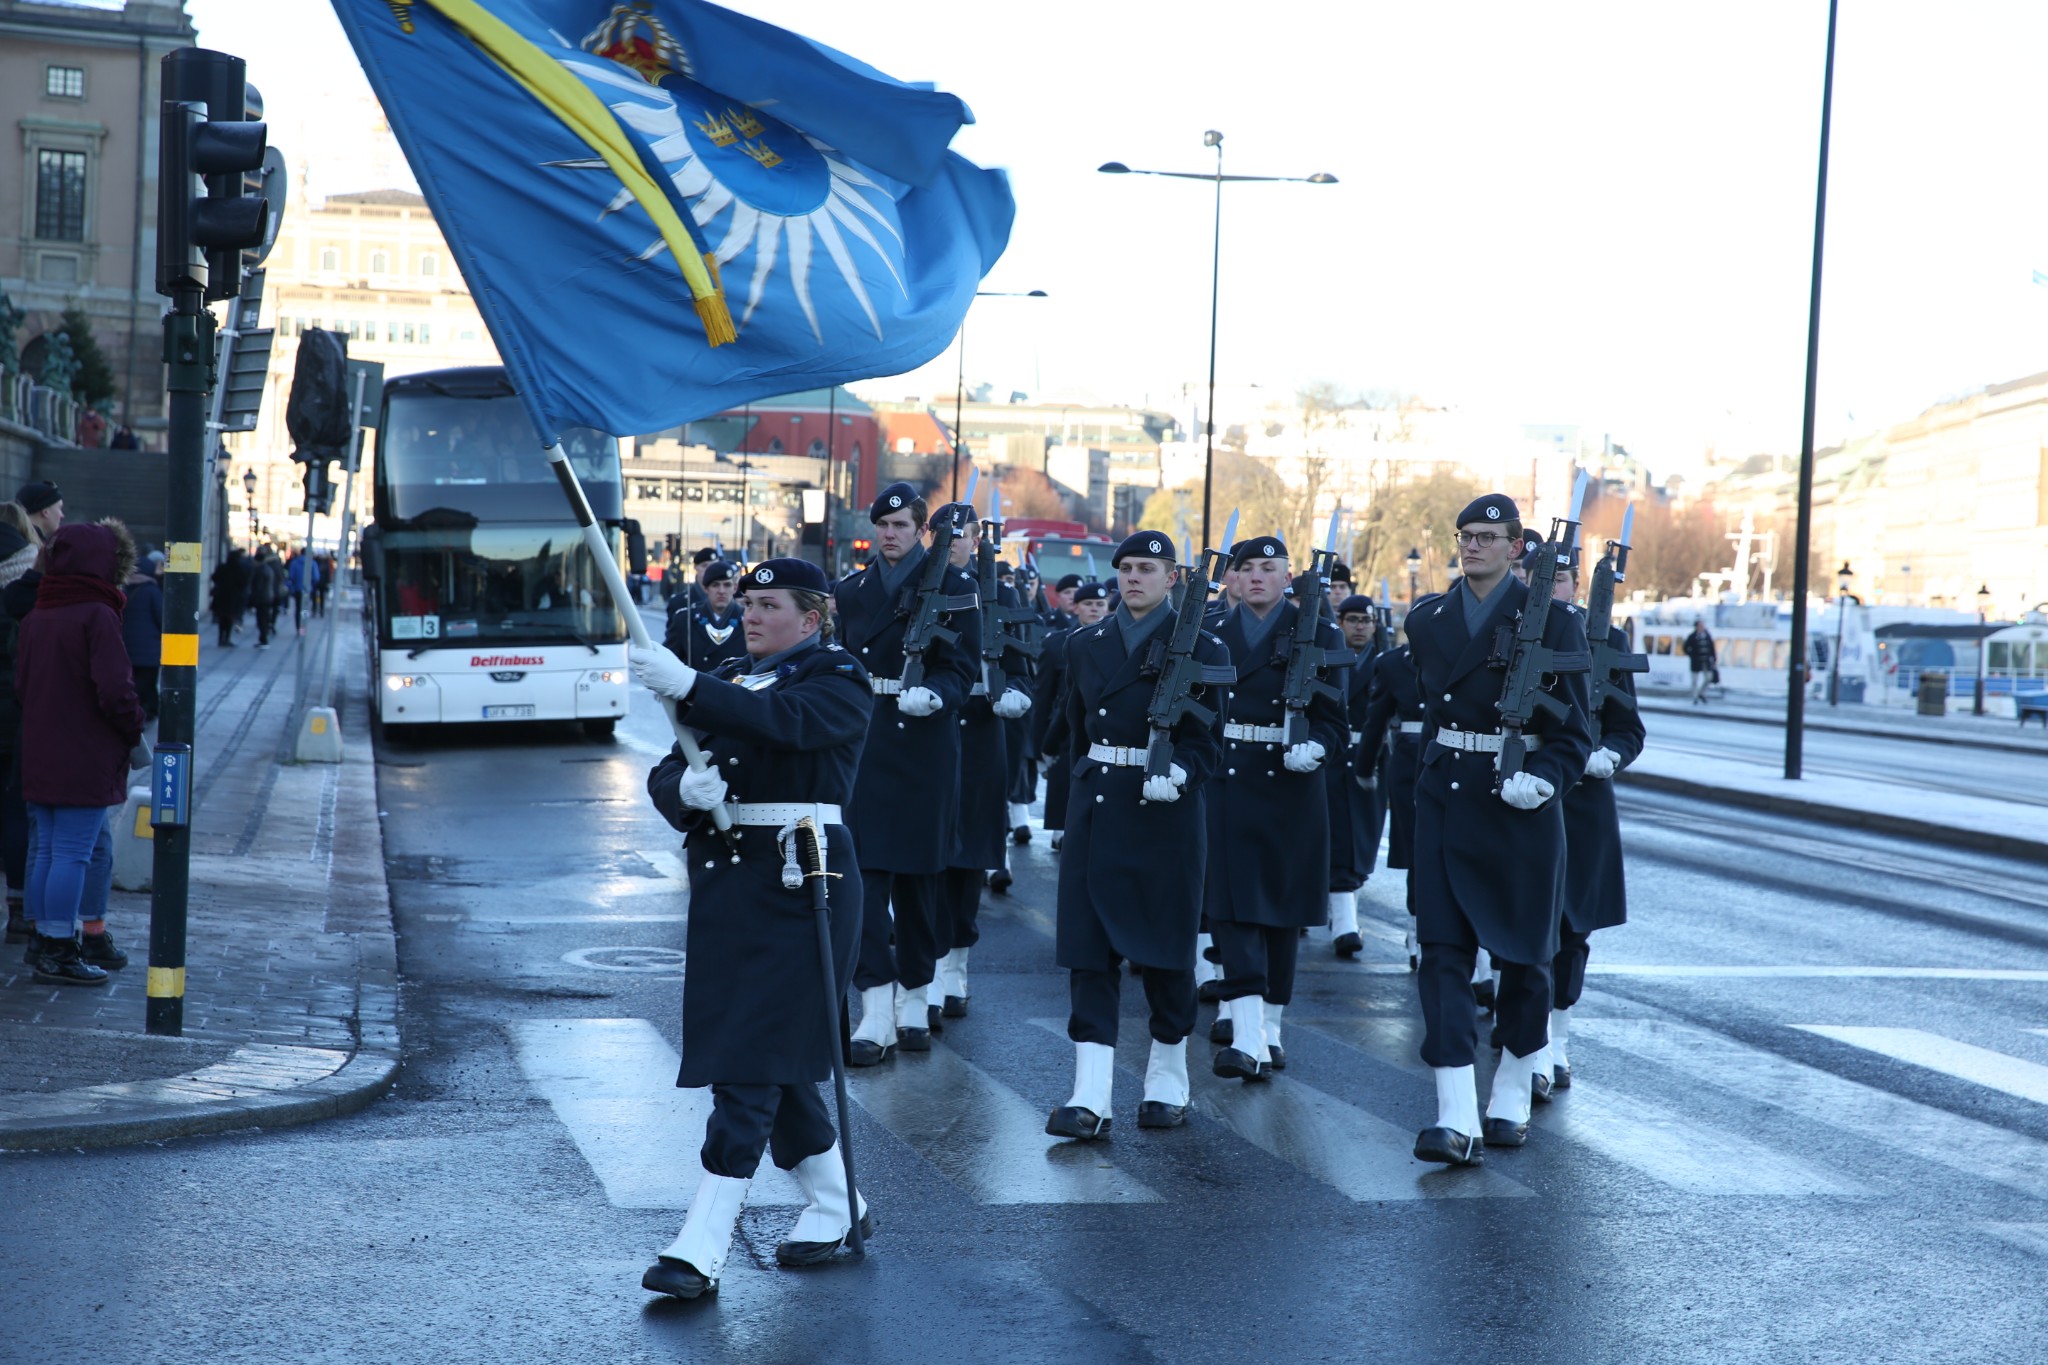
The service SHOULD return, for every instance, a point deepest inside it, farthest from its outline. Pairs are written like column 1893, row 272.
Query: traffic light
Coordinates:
column 206, row 216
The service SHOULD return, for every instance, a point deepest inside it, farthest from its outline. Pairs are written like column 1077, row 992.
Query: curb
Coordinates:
column 1955, row 836
column 1907, row 736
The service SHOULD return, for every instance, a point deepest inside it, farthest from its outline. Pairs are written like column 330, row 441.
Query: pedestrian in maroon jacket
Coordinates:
column 81, row 725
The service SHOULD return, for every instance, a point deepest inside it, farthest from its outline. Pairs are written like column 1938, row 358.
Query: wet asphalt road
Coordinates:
column 1746, row 1170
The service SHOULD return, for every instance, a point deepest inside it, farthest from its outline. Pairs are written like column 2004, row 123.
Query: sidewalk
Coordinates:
column 1888, row 722
column 291, row 1009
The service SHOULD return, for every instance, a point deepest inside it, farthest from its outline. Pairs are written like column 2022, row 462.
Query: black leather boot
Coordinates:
column 57, row 963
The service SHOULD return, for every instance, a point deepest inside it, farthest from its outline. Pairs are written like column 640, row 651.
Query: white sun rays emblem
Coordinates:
column 773, row 184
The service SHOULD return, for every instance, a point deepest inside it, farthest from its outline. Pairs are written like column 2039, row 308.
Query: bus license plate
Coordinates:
column 508, row 713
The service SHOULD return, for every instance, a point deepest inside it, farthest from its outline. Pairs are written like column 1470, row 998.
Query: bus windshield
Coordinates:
column 480, row 455
column 457, row 585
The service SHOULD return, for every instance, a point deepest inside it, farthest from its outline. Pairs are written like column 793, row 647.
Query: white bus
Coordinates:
column 482, row 603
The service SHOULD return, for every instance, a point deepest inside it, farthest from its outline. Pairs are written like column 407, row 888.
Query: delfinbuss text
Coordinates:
column 504, row 660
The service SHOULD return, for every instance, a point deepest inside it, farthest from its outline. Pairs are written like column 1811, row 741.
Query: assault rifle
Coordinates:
column 996, row 637
column 1528, row 660
column 1306, row 659
column 1610, row 663
column 929, row 607
column 1181, row 675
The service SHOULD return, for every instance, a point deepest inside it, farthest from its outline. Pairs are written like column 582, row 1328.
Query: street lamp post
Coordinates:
column 1983, row 606
column 1842, row 579
column 1212, row 138
column 249, row 500
column 1414, row 575
column 960, row 379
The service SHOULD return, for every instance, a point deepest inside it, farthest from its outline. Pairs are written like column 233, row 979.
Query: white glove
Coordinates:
column 1305, row 757
column 1526, row 791
column 661, row 672
column 1366, row 781
column 918, row 701
column 702, row 790
column 1012, row 704
column 1166, row 788
column 1602, row 763
column 139, row 757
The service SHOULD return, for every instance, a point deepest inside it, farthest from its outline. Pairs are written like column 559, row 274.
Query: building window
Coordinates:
column 380, row 264
column 408, row 334
column 65, row 82
column 60, row 196
column 430, row 265
column 817, row 450
column 330, row 259
column 775, row 446
column 426, row 333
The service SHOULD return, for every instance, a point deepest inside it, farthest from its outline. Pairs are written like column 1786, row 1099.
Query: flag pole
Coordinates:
column 615, row 583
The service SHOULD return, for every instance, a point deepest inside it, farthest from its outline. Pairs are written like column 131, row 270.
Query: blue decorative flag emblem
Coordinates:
column 665, row 209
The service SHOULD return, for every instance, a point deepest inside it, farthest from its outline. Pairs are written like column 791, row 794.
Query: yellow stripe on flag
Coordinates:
column 181, row 651
column 571, row 101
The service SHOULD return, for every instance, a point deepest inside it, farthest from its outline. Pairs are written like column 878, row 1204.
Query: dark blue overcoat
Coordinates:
column 753, row 988
column 1478, row 860
column 1595, row 895
column 1394, row 698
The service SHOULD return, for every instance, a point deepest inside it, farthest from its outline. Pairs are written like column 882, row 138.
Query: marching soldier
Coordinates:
column 1048, row 705
column 1595, row 894
column 783, row 731
column 906, row 800
column 704, row 634
column 1393, row 717
column 1269, row 831
column 1019, row 758
column 1357, row 807
column 1489, row 865
column 978, row 840
column 1131, row 874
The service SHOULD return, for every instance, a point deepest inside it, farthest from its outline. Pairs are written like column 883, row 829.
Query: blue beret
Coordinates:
column 897, row 497
column 1355, row 602
column 800, row 574
column 1092, row 592
column 1493, row 509
column 1258, row 547
column 717, row 571
column 1143, row 545
column 1072, row 580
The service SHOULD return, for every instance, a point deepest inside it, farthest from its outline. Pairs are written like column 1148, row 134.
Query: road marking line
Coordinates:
column 2026, row 1236
column 612, row 1084
column 1995, row 1070
column 1657, row 1142
column 1360, row 1155
column 1976, row 1149
column 985, row 1137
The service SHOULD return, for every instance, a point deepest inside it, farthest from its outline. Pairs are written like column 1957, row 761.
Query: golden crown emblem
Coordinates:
column 717, row 129
column 762, row 153
column 639, row 42
column 744, row 120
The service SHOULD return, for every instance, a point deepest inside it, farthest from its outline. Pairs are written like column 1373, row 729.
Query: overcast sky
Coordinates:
column 1558, row 212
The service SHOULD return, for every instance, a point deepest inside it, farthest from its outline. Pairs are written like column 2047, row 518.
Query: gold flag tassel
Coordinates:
column 712, row 309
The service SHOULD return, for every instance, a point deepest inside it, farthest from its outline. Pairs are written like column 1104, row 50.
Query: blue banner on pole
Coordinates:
column 665, row 209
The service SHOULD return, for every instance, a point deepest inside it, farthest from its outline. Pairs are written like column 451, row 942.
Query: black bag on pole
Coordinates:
column 317, row 415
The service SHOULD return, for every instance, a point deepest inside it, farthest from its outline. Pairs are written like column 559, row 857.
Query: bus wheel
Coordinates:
column 601, row 729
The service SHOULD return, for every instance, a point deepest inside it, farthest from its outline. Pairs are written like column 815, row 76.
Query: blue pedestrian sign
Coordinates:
column 171, row 787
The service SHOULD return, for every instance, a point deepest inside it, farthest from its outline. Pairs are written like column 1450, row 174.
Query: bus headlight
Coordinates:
column 608, row 675
column 398, row 682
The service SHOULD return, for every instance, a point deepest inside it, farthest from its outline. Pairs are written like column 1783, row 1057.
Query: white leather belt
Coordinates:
column 1116, row 756
column 1257, row 734
column 1357, row 736
column 1411, row 727
column 1480, row 741
column 980, row 689
column 886, row 687
column 777, row 813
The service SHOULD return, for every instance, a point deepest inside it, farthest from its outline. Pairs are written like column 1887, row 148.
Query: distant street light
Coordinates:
column 960, row 380
column 1212, row 138
column 1983, row 605
column 1843, row 577
column 1414, row 575
column 249, row 501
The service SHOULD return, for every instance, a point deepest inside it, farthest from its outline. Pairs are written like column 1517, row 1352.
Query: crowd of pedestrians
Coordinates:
column 261, row 582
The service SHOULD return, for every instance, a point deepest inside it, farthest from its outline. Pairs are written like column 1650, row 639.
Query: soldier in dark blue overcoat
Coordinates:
column 1048, row 704
column 906, row 802
column 1131, row 867
column 1595, row 896
column 704, row 634
column 1489, row 865
column 1393, row 726
column 979, row 841
column 782, row 732
column 1357, row 806
column 1269, row 819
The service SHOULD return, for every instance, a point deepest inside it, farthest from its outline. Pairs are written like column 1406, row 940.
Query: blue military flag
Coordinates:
column 665, row 209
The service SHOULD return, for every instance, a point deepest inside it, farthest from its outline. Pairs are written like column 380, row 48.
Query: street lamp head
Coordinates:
column 249, row 482
column 1114, row 168
column 1983, row 596
column 1322, row 178
column 1212, row 138
column 1843, row 576
column 1036, row 294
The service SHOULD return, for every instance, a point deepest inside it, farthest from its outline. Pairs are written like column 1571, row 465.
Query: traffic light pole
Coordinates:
column 188, row 352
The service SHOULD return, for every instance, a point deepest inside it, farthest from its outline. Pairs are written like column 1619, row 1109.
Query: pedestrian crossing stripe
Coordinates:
column 1979, row 1065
